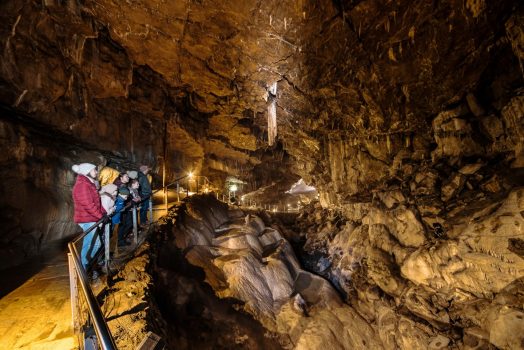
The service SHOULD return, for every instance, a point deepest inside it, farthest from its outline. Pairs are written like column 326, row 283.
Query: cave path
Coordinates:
column 35, row 305
column 37, row 313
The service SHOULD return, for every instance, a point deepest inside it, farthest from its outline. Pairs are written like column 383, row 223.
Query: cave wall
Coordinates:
column 369, row 93
column 71, row 94
column 408, row 118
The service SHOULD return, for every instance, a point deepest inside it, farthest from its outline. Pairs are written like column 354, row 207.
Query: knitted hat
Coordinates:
column 132, row 174
column 123, row 190
column 144, row 168
column 83, row 168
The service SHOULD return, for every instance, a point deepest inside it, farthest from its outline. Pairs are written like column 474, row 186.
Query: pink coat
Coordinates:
column 87, row 201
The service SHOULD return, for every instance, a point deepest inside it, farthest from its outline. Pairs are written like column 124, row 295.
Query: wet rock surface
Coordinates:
column 408, row 118
column 245, row 261
column 194, row 316
column 127, row 303
column 367, row 91
column 449, row 278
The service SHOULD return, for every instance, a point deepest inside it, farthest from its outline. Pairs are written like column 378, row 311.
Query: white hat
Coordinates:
column 83, row 168
column 132, row 174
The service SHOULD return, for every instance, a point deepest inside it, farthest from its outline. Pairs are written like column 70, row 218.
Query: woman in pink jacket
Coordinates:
column 88, row 209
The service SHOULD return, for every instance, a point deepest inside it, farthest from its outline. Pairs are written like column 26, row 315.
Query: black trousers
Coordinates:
column 126, row 225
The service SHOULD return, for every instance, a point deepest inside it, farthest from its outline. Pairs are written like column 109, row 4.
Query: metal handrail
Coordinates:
column 174, row 182
column 164, row 188
column 102, row 331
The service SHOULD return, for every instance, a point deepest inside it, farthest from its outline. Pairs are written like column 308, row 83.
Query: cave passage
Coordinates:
column 288, row 174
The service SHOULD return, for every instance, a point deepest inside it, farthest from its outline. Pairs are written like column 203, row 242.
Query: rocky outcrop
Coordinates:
column 127, row 305
column 406, row 117
column 434, row 272
column 244, row 259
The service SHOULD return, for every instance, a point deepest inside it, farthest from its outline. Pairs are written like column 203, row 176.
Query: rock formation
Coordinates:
column 407, row 117
column 245, row 260
column 414, row 292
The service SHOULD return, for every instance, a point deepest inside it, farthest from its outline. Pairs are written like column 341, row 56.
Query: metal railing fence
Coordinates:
column 78, row 275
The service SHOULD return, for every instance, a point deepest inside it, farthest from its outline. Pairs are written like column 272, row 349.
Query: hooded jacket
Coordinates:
column 119, row 205
column 86, row 201
column 107, row 175
column 108, row 201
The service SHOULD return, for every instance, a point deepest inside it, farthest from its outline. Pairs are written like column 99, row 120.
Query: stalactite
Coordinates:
column 272, row 123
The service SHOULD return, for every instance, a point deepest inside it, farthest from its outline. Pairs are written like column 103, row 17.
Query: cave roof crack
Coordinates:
column 282, row 59
column 293, row 85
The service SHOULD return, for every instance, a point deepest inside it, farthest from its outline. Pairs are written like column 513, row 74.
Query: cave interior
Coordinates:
column 371, row 153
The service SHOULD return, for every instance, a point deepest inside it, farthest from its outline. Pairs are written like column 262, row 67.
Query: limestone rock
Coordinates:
column 257, row 266
column 492, row 126
column 402, row 224
column 515, row 31
column 478, row 261
column 451, row 188
column 439, row 342
column 392, row 198
column 474, row 105
column 453, row 135
column 424, row 183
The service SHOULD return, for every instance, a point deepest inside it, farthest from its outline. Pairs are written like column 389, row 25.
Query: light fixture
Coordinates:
column 233, row 188
column 190, row 174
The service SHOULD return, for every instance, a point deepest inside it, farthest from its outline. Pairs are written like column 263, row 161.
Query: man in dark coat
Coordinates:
column 145, row 192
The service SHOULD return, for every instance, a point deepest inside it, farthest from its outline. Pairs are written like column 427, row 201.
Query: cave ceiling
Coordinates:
column 371, row 74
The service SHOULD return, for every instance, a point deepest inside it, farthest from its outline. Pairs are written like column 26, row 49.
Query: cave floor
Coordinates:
column 37, row 314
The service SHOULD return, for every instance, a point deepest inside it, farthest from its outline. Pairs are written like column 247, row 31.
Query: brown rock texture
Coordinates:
column 362, row 86
column 407, row 117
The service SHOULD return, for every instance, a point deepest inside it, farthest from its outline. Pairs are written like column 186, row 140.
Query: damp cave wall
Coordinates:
column 369, row 95
column 69, row 94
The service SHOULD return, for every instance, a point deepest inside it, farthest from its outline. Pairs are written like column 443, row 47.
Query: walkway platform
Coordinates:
column 35, row 306
column 37, row 314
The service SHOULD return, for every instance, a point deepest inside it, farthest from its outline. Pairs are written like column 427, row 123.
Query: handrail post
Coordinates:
column 150, row 208
column 135, row 228
column 177, row 191
column 74, row 291
column 107, row 245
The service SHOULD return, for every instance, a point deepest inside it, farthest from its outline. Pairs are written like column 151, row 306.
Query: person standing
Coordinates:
column 87, row 208
column 145, row 192
column 107, row 175
column 117, row 238
column 121, row 180
column 108, row 195
column 135, row 193
column 133, row 174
